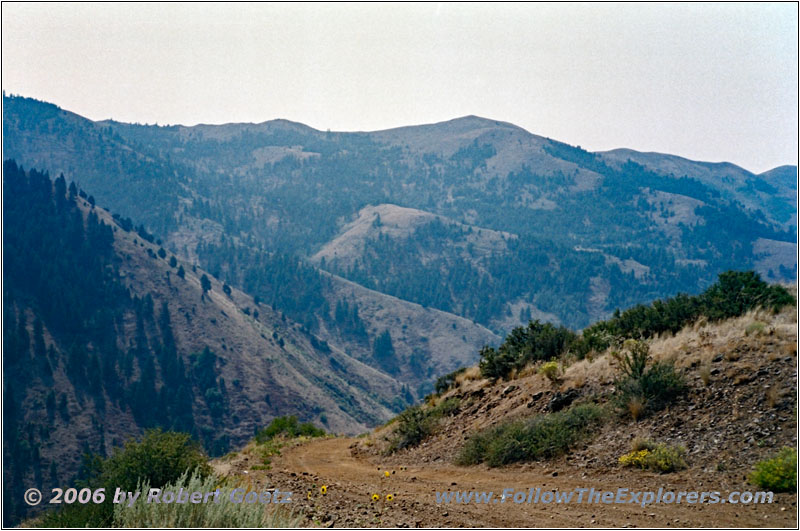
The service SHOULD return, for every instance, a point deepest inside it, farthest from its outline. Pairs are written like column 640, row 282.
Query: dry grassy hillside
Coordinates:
column 400, row 222
column 446, row 341
column 740, row 406
column 263, row 356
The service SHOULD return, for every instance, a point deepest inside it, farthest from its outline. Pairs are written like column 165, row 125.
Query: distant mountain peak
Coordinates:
column 458, row 125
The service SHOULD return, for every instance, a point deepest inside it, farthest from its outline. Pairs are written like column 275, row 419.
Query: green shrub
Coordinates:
column 659, row 457
column 159, row 458
column 416, row 423
column 540, row 437
column 664, row 458
column 413, row 426
column 290, row 427
column 651, row 387
column 535, row 342
column 190, row 515
column 778, row 474
column 734, row 293
column 737, row 292
column 550, row 370
column 446, row 408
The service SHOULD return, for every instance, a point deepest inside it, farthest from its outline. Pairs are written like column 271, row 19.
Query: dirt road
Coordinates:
column 351, row 480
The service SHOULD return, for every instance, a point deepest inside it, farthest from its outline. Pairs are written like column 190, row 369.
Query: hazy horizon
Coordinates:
column 707, row 82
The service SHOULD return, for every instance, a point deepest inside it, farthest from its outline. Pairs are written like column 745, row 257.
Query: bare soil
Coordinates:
column 351, row 478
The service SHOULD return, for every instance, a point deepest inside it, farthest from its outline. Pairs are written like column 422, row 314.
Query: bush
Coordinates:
column 643, row 389
column 734, row 293
column 536, row 342
column 416, row 423
column 778, row 474
column 550, row 370
column 413, row 426
column 190, row 515
column 290, row 427
column 541, row 437
column 665, row 458
column 659, row 457
column 159, row 458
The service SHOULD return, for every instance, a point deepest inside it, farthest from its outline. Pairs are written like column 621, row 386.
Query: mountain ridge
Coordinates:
column 288, row 188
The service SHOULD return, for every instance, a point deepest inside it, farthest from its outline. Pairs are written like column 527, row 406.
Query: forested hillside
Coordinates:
column 106, row 334
column 588, row 232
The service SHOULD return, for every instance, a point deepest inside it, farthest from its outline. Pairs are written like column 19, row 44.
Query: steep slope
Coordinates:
column 426, row 342
column 106, row 334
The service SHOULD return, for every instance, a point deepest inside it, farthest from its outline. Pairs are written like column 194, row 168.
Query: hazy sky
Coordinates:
column 705, row 81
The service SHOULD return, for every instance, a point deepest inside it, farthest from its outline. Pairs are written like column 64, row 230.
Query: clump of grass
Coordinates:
column 443, row 383
column 540, row 437
column 636, row 406
column 417, row 423
column 578, row 377
column 468, row 375
column 756, row 327
column 640, row 443
column 705, row 374
column 773, row 396
column 550, row 370
column 778, row 474
column 654, row 456
column 732, row 355
column 195, row 515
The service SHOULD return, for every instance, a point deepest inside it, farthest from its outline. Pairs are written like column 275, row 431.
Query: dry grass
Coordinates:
column 577, row 378
column 732, row 355
column 528, row 370
column 705, row 374
column 755, row 328
column 635, row 407
column 701, row 339
column 773, row 396
column 471, row 374
column 599, row 369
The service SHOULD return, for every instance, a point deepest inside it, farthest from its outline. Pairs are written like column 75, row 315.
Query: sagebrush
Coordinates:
column 224, row 514
column 540, row 437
